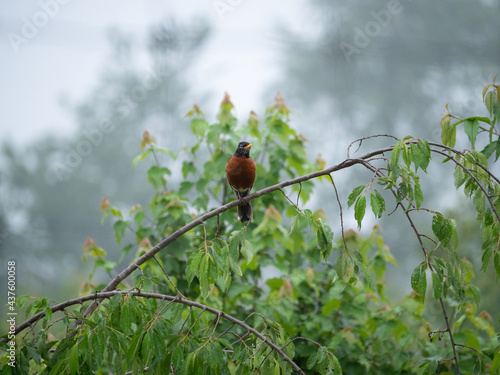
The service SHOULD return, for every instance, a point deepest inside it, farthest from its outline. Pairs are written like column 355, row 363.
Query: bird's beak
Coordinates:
column 250, row 145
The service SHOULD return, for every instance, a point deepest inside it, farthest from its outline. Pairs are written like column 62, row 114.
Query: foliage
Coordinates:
column 282, row 292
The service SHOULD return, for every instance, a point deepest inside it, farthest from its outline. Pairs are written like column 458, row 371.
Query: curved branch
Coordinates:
column 164, row 297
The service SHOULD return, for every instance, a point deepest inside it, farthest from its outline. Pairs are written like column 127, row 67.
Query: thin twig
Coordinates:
column 448, row 328
column 360, row 141
column 168, row 278
column 298, row 195
column 185, row 320
column 196, row 321
column 289, row 200
column 340, row 209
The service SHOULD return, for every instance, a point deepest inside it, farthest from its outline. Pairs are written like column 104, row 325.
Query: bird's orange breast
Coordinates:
column 240, row 172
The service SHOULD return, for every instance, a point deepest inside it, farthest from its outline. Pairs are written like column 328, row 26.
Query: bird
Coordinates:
column 240, row 173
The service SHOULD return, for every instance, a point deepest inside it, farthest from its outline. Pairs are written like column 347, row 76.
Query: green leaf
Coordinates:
column 146, row 348
column 97, row 345
column 48, row 313
column 425, row 152
column 187, row 168
column 139, row 217
column 199, row 127
column 375, row 204
column 496, row 262
column 448, row 132
column 321, row 355
column 485, row 259
column 490, row 101
column 459, row 176
column 419, row 196
column 234, row 252
column 415, row 276
column 495, row 365
column 471, row 127
column 407, row 157
column 158, row 343
column 359, row 209
column 56, row 370
column 453, row 136
column 73, row 360
column 133, row 348
column 396, row 151
column 247, row 250
column 437, row 286
column 21, row 301
column 295, row 224
column 422, row 284
column 205, row 285
column 213, row 134
column 445, row 129
column 354, row 195
column 419, row 280
column 489, row 149
column 311, row 362
column 125, row 318
column 192, row 265
column 324, row 236
column 141, row 157
column 163, row 151
column 368, row 275
column 485, row 89
column 178, row 359
column 185, row 187
column 120, row 227
column 337, row 369
column 427, row 368
column 475, row 293
column 156, row 176
column 416, row 155
column 381, row 202
column 442, row 228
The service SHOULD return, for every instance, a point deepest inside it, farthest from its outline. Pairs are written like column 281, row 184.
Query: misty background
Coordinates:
column 82, row 81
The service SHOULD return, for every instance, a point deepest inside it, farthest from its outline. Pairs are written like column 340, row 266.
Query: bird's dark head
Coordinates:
column 243, row 149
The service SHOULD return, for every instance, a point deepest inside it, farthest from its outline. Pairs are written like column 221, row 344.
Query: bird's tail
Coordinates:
column 245, row 209
column 245, row 212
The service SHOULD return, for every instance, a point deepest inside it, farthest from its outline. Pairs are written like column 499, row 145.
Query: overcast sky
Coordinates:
column 52, row 51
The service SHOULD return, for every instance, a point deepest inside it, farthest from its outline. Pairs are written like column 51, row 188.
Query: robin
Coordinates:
column 240, row 172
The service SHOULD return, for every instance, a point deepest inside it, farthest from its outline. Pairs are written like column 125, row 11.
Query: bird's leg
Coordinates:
column 240, row 197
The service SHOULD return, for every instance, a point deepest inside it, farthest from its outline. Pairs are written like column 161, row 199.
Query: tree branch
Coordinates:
column 165, row 297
